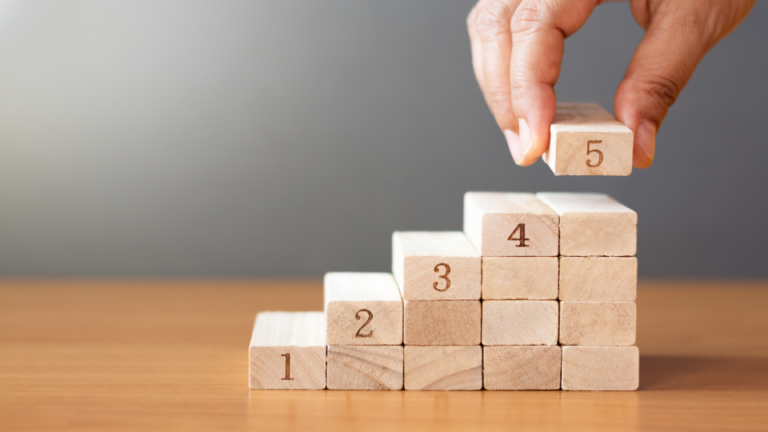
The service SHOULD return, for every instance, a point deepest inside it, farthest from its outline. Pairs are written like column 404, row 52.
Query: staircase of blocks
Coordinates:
column 537, row 293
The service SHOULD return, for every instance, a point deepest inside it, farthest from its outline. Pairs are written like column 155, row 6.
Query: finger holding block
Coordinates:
column 440, row 265
column 521, row 367
column 443, row 367
column 363, row 309
column 598, row 279
column 601, row 368
column 365, row 367
column 520, row 278
column 442, row 322
column 587, row 140
column 598, row 323
column 520, row 322
column 288, row 351
column 510, row 224
column 593, row 224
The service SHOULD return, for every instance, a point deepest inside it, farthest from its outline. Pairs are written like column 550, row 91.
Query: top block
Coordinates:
column 586, row 140
column 593, row 224
column 436, row 265
column 510, row 224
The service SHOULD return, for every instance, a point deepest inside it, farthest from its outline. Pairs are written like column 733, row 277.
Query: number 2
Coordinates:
column 445, row 276
column 519, row 228
column 370, row 317
column 590, row 150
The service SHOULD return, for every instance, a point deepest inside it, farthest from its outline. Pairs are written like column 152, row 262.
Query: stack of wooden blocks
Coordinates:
column 537, row 293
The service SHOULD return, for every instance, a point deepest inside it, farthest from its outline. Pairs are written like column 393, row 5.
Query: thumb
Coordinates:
column 679, row 35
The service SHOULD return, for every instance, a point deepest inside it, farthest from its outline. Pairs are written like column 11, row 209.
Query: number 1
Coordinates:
column 287, row 367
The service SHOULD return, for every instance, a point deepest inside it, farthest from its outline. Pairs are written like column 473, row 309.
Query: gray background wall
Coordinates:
column 253, row 138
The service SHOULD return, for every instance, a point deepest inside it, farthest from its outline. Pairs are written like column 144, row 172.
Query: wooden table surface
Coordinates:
column 144, row 355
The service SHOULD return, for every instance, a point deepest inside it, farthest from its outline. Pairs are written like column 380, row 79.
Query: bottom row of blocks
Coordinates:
column 446, row 367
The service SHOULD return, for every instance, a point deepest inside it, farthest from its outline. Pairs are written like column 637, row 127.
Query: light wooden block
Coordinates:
column 365, row 367
column 439, row 265
column 598, row 323
column 520, row 322
column 601, row 368
column 288, row 351
column 593, row 224
column 586, row 140
column 520, row 278
column 522, row 367
column 510, row 224
column 443, row 367
column 598, row 279
column 455, row 322
column 363, row 309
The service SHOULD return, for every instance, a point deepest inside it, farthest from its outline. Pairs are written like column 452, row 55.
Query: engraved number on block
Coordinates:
column 590, row 150
column 445, row 276
column 287, row 367
column 370, row 317
column 520, row 228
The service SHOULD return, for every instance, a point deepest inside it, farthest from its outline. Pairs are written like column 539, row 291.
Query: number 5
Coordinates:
column 590, row 150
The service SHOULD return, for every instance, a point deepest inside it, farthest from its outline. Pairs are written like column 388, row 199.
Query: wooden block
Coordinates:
column 365, row 367
column 587, row 140
column 593, row 224
column 454, row 322
column 288, row 351
column 510, row 224
column 598, row 279
column 436, row 265
column 522, row 367
column 363, row 309
column 520, row 278
column 601, row 368
column 520, row 322
column 443, row 367
column 598, row 323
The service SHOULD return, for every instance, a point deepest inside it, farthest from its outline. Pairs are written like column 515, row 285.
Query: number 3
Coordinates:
column 445, row 276
column 590, row 150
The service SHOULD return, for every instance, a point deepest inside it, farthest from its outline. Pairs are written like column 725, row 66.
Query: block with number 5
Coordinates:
column 510, row 224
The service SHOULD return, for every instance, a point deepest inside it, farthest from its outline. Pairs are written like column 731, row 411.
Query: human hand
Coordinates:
column 517, row 49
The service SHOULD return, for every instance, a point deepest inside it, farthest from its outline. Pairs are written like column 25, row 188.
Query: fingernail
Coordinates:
column 513, row 141
column 646, row 138
column 519, row 144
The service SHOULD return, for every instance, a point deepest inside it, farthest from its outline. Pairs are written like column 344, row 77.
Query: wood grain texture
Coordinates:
column 593, row 224
column 365, row 367
column 490, row 219
column 598, row 279
column 587, row 140
column 288, row 351
column 363, row 309
column 522, row 367
column 601, row 368
column 455, row 322
column 443, row 367
column 168, row 355
column 520, row 278
column 598, row 323
column 520, row 322
column 436, row 265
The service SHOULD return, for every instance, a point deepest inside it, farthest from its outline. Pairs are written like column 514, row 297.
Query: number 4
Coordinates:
column 521, row 239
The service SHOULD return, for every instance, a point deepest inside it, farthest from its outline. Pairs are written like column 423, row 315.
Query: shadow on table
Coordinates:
column 661, row 373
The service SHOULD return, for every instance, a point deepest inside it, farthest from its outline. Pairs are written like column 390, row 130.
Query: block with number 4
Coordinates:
column 510, row 224
column 586, row 140
column 288, row 351
column 363, row 309
column 440, row 265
